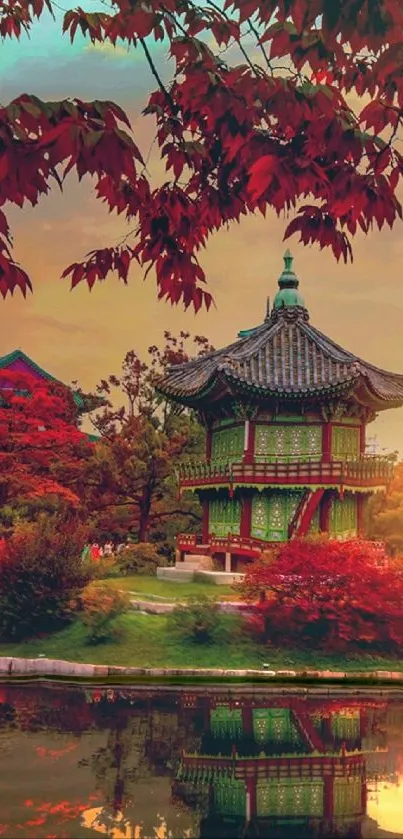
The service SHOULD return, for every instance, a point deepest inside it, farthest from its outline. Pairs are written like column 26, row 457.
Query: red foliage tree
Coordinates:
column 326, row 593
column 41, row 449
column 270, row 131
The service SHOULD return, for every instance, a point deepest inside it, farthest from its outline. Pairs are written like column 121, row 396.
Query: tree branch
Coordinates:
column 157, row 77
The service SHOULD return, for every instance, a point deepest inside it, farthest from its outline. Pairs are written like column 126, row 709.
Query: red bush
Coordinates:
column 326, row 593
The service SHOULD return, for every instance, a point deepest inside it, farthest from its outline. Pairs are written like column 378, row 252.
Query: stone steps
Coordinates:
column 176, row 575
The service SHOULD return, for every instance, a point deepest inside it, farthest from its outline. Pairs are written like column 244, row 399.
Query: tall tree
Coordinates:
column 385, row 515
column 268, row 124
column 42, row 452
column 130, row 482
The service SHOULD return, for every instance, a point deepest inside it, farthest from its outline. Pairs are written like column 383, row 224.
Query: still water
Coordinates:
column 201, row 762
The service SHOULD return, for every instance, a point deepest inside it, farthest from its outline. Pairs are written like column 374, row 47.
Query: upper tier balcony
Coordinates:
column 367, row 471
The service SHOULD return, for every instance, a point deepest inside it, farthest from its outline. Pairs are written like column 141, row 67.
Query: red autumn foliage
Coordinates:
column 41, row 449
column 327, row 594
column 269, row 132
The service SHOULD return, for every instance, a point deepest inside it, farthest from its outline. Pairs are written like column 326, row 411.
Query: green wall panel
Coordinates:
column 345, row 442
column 282, row 442
column 289, row 797
column 347, row 796
column 274, row 725
column 226, row 722
column 228, row 443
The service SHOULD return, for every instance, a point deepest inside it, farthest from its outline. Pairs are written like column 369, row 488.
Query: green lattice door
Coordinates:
column 343, row 516
column 229, row 796
column 224, row 517
column 272, row 513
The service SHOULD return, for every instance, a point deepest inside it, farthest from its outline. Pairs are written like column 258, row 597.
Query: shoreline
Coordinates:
column 15, row 669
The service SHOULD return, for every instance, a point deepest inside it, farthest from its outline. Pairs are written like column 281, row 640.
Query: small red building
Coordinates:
column 285, row 410
column 18, row 362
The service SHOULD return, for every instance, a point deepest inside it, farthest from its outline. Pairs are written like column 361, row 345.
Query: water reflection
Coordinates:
column 144, row 764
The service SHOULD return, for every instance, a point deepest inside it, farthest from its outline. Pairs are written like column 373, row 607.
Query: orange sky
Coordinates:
column 85, row 336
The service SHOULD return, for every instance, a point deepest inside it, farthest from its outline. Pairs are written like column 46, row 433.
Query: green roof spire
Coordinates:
column 288, row 294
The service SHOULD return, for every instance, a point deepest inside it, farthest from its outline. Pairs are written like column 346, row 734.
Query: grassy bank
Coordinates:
column 146, row 642
column 144, row 586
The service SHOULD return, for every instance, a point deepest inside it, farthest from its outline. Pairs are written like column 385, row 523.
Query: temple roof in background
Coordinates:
column 17, row 361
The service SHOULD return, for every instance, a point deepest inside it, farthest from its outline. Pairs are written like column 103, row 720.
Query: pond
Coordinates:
column 142, row 763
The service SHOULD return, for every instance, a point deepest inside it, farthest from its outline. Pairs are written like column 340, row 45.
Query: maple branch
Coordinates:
column 237, row 40
column 157, row 77
column 261, row 47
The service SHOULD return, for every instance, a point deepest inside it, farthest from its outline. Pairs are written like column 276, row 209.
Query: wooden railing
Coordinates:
column 365, row 469
column 221, row 544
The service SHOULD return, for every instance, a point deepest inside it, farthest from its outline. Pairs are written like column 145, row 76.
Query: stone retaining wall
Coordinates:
column 47, row 667
column 153, row 607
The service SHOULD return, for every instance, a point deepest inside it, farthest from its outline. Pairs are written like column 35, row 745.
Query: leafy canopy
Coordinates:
column 268, row 124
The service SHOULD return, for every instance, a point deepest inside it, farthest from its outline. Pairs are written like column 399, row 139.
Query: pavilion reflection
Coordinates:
column 282, row 766
column 202, row 762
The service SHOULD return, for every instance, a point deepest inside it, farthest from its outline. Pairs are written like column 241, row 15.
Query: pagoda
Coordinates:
column 285, row 410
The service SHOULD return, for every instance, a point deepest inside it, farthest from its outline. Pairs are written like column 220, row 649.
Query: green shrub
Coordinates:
column 142, row 558
column 198, row 620
column 41, row 570
column 100, row 607
column 107, row 568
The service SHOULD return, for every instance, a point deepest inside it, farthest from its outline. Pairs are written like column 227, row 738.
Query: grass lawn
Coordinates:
column 146, row 642
column 143, row 586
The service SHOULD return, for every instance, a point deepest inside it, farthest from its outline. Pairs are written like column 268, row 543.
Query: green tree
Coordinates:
column 385, row 515
column 130, row 483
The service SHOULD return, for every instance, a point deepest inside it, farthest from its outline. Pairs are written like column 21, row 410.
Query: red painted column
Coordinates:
column 362, row 438
column 324, row 512
column 250, row 785
column 364, row 796
column 247, row 721
column 326, row 442
column 209, row 443
column 246, row 516
column 205, row 520
column 249, row 451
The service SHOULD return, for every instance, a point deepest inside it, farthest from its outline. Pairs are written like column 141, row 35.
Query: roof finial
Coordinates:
column 288, row 294
column 288, row 260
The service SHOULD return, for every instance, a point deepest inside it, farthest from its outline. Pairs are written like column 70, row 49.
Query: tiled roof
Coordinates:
column 286, row 358
column 18, row 355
